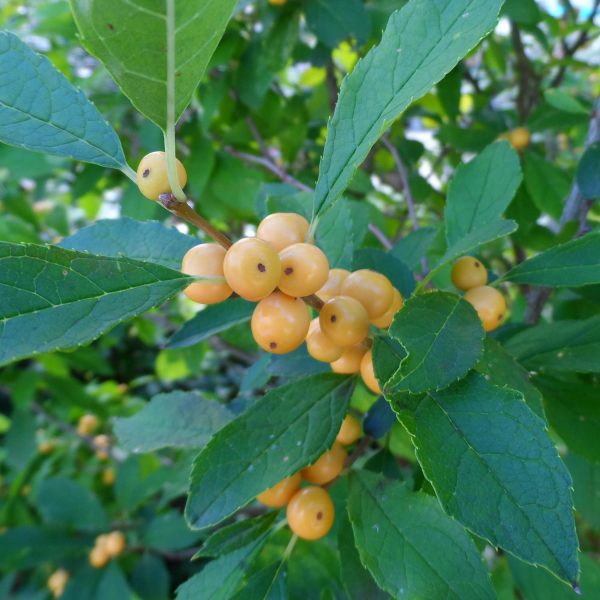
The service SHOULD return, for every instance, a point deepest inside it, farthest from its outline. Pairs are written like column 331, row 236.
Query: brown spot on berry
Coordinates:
column 319, row 516
column 289, row 270
column 261, row 267
column 146, row 173
column 273, row 345
column 333, row 318
column 477, row 264
column 500, row 317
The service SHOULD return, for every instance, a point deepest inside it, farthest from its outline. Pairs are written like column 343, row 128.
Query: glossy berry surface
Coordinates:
column 344, row 321
column 349, row 362
column 319, row 346
column 87, row 424
column 310, row 513
column 328, row 466
column 468, row 272
column 252, row 268
column 373, row 290
column 152, row 177
column 280, row 323
column 205, row 260
column 281, row 493
column 304, row 269
column 350, row 431
column 367, row 372
column 98, row 557
column 386, row 319
column 333, row 285
column 489, row 304
column 114, row 543
column 283, row 229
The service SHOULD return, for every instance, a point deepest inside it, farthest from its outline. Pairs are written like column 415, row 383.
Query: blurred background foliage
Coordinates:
column 254, row 134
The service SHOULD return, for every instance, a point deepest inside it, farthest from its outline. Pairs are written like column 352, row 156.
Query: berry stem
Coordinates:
column 130, row 173
column 289, row 548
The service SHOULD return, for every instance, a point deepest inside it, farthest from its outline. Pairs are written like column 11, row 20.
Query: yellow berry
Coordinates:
column 280, row 494
column 304, row 269
column 283, row 229
column 520, row 137
column 344, row 321
column 45, row 447
column 98, row 557
column 252, row 268
column 310, row 513
column 386, row 319
column 102, row 444
column 319, row 346
column 333, row 285
column 57, row 582
column 368, row 372
column 152, row 177
column 205, row 260
column 373, row 290
column 108, row 476
column 468, row 272
column 328, row 466
column 350, row 431
column 349, row 362
column 114, row 543
column 280, row 323
column 489, row 304
column 87, row 424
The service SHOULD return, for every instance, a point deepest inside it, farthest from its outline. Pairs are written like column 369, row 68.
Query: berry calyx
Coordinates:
column 468, row 272
column 281, row 493
column 87, row 424
column 349, row 362
column 280, row 323
column 310, row 513
column 350, row 431
column 344, row 320
column 386, row 319
column 373, row 290
column 152, row 177
column 319, row 346
column 328, row 466
column 205, row 260
column 252, row 268
column 283, row 229
column 304, row 269
column 333, row 285
column 368, row 372
column 489, row 304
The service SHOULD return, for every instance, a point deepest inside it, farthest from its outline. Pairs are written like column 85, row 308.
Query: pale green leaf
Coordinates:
column 421, row 43
column 40, row 110
column 431, row 327
column 129, row 37
column 282, row 432
column 412, row 549
column 177, row 419
column 56, row 299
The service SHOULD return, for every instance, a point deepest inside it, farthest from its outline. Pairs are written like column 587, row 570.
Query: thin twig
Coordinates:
column 383, row 239
column 529, row 81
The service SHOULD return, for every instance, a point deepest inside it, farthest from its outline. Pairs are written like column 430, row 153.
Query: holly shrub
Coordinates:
column 299, row 299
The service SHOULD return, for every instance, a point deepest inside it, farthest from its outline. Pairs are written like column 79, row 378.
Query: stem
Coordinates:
column 289, row 548
column 130, row 173
column 170, row 131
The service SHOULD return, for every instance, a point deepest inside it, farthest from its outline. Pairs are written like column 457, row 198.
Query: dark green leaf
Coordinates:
column 56, row 299
column 40, row 110
column 169, row 532
column 284, row 431
column 150, row 578
column 335, row 236
column 263, row 583
column 335, row 20
column 413, row 247
column 547, row 184
column 176, row 419
column 586, row 475
column 495, row 469
column 422, row 42
column 410, row 546
column 431, row 327
column 130, row 39
column 150, row 241
column 588, row 172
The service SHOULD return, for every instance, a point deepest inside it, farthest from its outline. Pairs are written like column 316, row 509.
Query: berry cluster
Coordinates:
column 106, row 547
column 469, row 275
column 310, row 511
column 278, row 268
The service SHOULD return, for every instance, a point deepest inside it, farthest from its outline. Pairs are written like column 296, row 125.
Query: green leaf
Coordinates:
column 335, row 20
column 547, row 184
column 212, row 320
column 574, row 264
column 561, row 346
column 421, row 43
column 56, row 299
column 386, row 264
column 263, row 583
column 411, row 547
column 150, row 578
column 335, row 236
column 40, row 110
column 282, row 432
column 588, row 172
column 130, row 39
column 481, row 190
column 494, row 469
column 573, row 411
column 414, row 246
column 563, row 100
column 431, row 328
column 147, row 241
column 168, row 531
column 176, row 419
column 586, row 475
column 501, row 369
